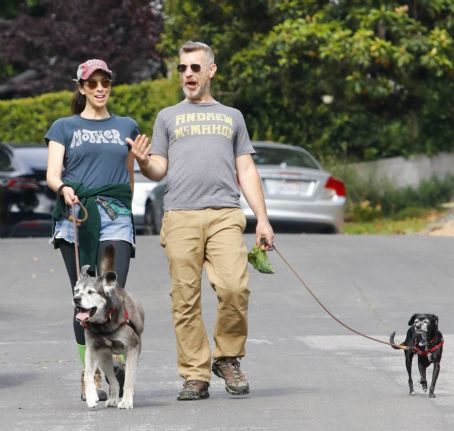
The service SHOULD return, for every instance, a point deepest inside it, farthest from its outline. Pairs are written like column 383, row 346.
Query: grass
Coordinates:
column 394, row 226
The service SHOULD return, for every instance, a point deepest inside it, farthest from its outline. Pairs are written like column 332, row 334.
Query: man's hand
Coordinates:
column 152, row 166
column 140, row 147
column 264, row 235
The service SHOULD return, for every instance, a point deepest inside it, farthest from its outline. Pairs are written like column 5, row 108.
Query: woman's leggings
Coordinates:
column 121, row 267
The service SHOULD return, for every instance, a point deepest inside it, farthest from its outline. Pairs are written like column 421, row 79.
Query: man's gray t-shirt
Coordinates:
column 201, row 142
column 96, row 151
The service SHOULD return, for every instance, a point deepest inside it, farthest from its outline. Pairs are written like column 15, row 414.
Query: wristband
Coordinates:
column 61, row 188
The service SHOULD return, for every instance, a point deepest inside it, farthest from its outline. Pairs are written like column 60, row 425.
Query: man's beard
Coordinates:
column 196, row 94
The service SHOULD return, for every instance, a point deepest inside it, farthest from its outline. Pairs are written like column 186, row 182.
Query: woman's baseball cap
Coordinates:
column 85, row 70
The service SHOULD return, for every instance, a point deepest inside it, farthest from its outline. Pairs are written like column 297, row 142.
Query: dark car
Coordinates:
column 26, row 202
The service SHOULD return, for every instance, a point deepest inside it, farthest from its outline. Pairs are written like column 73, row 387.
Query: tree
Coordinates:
column 47, row 39
column 358, row 79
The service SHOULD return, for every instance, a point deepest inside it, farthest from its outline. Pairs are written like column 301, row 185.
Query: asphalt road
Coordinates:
column 305, row 371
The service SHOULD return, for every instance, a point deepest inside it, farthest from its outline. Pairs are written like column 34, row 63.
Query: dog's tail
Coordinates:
column 394, row 345
column 107, row 262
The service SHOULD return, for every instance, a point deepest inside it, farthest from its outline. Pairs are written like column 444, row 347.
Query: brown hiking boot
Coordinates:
column 102, row 396
column 194, row 390
column 229, row 370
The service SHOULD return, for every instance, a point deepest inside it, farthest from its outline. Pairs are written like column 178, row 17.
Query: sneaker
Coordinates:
column 229, row 370
column 102, row 396
column 194, row 390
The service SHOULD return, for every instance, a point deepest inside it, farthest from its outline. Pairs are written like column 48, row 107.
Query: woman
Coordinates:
column 90, row 163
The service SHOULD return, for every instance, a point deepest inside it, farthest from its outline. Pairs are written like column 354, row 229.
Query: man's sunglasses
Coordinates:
column 194, row 67
column 93, row 83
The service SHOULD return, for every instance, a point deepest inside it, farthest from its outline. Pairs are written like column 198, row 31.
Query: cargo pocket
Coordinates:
column 162, row 234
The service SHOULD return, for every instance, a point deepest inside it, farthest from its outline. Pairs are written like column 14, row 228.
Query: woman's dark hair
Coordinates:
column 78, row 102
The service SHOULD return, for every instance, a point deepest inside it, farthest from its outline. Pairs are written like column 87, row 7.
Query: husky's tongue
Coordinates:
column 82, row 316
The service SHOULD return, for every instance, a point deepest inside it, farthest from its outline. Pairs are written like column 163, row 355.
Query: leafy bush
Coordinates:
column 410, row 212
column 388, row 227
column 373, row 198
column 27, row 120
column 360, row 80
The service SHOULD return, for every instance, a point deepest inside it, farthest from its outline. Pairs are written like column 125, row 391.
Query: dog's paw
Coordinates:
column 91, row 404
column 125, row 403
column 432, row 395
column 112, row 402
column 412, row 394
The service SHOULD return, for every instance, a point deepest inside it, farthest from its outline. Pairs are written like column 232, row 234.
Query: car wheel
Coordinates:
column 149, row 226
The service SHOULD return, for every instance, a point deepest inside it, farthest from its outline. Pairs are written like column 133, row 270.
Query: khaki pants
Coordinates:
column 214, row 238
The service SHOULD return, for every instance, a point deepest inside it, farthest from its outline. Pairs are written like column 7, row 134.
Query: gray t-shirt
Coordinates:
column 96, row 151
column 201, row 142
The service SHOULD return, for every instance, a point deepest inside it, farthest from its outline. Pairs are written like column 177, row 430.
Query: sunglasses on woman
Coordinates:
column 194, row 67
column 93, row 83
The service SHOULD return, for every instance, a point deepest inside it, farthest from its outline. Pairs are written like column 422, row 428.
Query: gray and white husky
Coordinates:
column 113, row 320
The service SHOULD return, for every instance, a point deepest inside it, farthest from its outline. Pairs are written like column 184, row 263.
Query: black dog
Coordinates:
column 425, row 340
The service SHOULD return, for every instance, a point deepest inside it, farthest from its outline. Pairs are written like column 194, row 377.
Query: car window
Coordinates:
column 35, row 158
column 287, row 156
column 5, row 160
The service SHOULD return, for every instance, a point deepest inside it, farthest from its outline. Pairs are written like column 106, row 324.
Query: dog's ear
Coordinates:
column 109, row 281
column 412, row 319
column 85, row 272
column 435, row 317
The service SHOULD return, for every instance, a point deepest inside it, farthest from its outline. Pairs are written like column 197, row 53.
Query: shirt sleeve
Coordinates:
column 242, row 142
column 160, row 138
column 135, row 130
column 56, row 133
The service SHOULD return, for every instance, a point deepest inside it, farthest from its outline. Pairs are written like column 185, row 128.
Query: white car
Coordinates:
column 141, row 203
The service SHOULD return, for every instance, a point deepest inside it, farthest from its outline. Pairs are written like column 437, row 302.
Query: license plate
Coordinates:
column 288, row 187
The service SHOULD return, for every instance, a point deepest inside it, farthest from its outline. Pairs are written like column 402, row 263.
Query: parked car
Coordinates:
column 299, row 194
column 142, row 203
column 25, row 200
column 148, row 220
column 26, row 203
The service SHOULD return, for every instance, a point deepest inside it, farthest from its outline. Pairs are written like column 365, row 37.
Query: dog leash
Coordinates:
column 396, row 346
column 76, row 223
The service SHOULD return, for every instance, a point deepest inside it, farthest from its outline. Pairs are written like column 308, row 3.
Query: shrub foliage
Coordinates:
column 27, row 120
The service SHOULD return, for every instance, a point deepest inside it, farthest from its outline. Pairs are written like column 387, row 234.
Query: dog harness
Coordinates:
column 424, row 352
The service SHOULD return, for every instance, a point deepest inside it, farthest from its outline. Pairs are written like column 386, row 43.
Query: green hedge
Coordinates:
column 27, row 120
column 374, row 198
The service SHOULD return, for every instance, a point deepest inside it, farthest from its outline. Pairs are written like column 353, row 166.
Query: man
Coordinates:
column 204, row 149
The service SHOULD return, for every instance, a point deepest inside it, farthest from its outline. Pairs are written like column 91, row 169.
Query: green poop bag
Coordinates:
column 259, row 260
